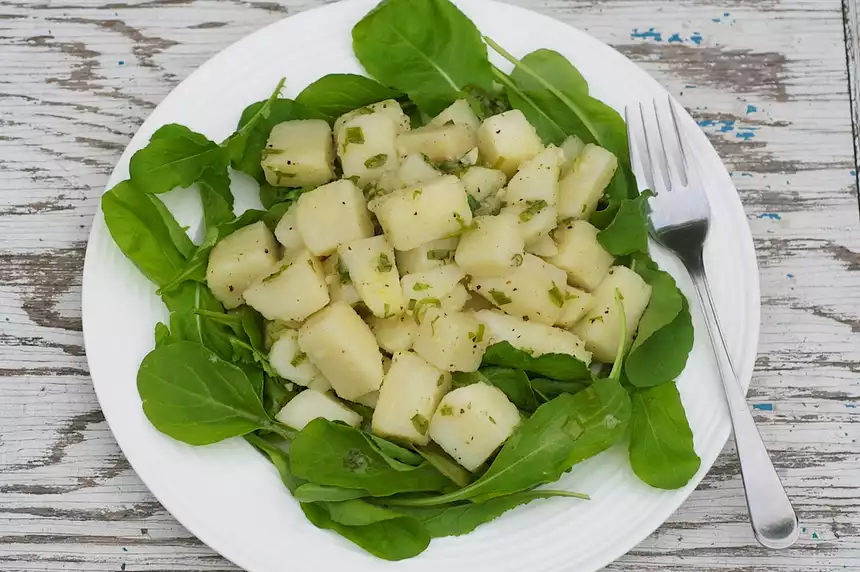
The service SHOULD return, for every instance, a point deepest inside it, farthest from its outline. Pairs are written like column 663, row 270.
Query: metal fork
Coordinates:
column 679, row 219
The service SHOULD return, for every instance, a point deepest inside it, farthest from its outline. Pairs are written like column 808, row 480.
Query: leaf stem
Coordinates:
column 282, row 430
column 218, row 316
column 619, row 354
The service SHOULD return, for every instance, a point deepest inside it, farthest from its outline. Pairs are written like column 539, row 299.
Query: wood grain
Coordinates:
column 766, row 79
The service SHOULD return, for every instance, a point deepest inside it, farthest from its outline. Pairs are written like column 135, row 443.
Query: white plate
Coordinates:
column 232, row 499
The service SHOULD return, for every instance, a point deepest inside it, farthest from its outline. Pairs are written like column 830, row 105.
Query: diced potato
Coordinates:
column 293, row 292
column 472, row 422
column 413, row 216
column 299, row 153
column 481, row 182
column 537, row 178
column 410, row 392
column 394, row 334
column 439, row 144
column 583, row 186
column 414, row 170
column 388, row 107
column 428, row 255
column 493, row 248
column 366, row 147
column 320, row 384
column 536, row 218
column 543, row 246
column 369, row 399
column 309, row 405
column 456, row 300
column 290, row 362
column 534, row 290
column 371, row 267
column 340, row 286
column 532, row 337
column 287, row 231
column 580, row 254
column 506, row 140
column 343, row 348
column 451, row 341
column 458, row 113
column 238, row 259
column 577, row 303
column 601, row 327
column 435, row 283
column 332, row 214
column 571, row 147
column 470, row 158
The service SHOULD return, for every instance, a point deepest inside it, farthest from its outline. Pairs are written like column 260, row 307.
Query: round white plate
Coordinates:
column 231, row 497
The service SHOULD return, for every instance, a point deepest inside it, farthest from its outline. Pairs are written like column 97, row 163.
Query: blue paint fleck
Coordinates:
column 745, row 135
column 853, row 173
column 675, row 38
column 851, row 405
column 763, row 406
column 724, row 125
column 751, row 108
column 696, row 38
column 746, row 174
column 725, row 14
column 690, row 86
column 121, row 62
column 651, row 34
column 124, row 549
column 715, row 20
column 771, row 216
column 790, row 275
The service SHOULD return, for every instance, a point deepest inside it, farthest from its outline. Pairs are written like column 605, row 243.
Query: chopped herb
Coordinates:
column 474, row 205
column 500, row 298
column 383, row 263
column 420, row 306
column 441, row 381
column 446, row 411
column 517, row 260
column 298, row 358
column 416, row 193
column 376, row 161
column 447, row 123
column 438, row 254
column 411, row 305
column 493, row 421
column 354, row 178
column 597, row 319
column 534, row 207
column 311, row 264
column 619, row 294
column 343, row 272
column 420, row 286
column 478, row 336
column 420, row 423
column 386, row 310
column 354, row 135
column 282, row 175
column 433, row 325
column 556, row 295
column 277, row 273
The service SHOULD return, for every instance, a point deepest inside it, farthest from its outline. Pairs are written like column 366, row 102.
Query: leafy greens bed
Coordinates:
column 210, row 376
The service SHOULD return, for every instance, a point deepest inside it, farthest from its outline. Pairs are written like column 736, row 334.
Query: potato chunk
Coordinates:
column 451, row 341
column 366, row 147
column 583, row 186
column 388, row 107
column 506, row 140
column 415, row 170
column 413, row 216
column 534, row 290
column 289, row 361
column 543, row 246
column 428, row 255
column 340, row 286
column 394, row 334
column 435, row 283
column 493, row 248
column 438, row 143
column 293, row 292
column 537, row 218
column 601, row 327
column 458, row 113
column 343, row 348
column 287, row 231
column 481, row 182
column 577, row 303
column 238, row 260
column 580, row 254
column 532, row 337
column 572, row 148
column 371, row 267
column 309, row 405
column 456, row 300
column 537, row 178
column 299, row 153
column 332, row 214
column 410, row 392
column 472, row 422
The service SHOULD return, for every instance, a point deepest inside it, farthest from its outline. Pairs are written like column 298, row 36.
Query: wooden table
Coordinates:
column 770, row 81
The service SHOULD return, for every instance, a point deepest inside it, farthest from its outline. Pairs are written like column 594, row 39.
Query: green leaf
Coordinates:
column 335, row 94
column 397, row 457
column 434, row 455
column 174, row 157
column 271, row 196
column 310, row 492
column 278, row 457
column 549, row 388
column 327, row 453
column 514, row 382
column 216, row 197
column 142, row 232
column 237, row 143
column 275, row 395
column 628, row 231
column 562, row 367
column 661, row 442
column 388, row 535
column 186, row 324
column 426, row 48
column 192, row 395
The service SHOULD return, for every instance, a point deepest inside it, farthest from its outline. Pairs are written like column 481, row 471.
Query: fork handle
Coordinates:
column 773, row 519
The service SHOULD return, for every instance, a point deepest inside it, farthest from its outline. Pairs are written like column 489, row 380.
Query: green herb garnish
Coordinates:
column 421, row 286
column 383, row 263
column 277, row 273
column 534, row 207
column 556, row 295
column 478, row 336
column 376, row 161
column 343, row 272
column 517, row 260
column 500, row 298
column 419, row 307
column 420, row 423
column 438, row 254
column 298, row 358
column 354, row 135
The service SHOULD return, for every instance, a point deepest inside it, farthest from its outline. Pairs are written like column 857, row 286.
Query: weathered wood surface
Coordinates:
column 766, row 79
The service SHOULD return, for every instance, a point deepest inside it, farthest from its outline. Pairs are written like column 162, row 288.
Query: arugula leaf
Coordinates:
column 548, row 388
column 427, row 48
column 275, row 394
column 310, row 492
column 327, row 453
column 397, row 457
column 335, row 94
column 174, row 157
column 562, row 367
column 141, row 229
column 186, row 324
column 271, row 196
column 386, row 534
column 216, row 197
column 661, row 442
column 434, row 455
column 278, row 457
column 628, row 231
column 514, row 382
column 192, row 395
column 237, row 143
